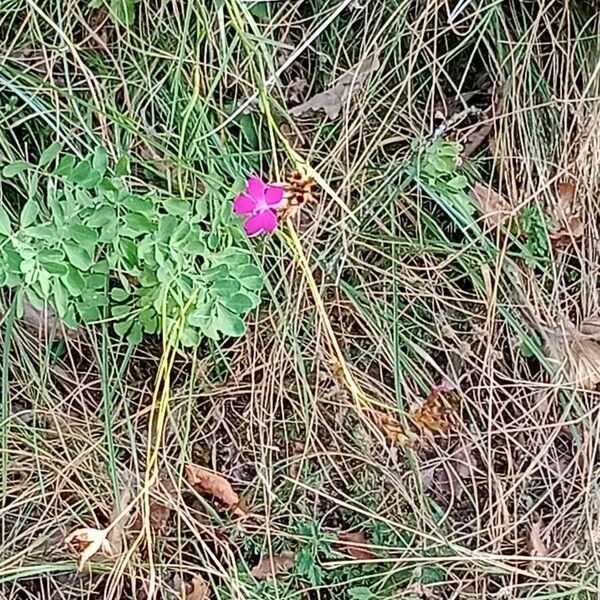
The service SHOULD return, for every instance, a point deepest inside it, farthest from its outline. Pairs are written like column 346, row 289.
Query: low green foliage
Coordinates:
column 437, row 170
column 95, row 249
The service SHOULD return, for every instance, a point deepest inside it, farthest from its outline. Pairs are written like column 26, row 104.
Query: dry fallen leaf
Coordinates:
column 493, row 206
column 437, row 413
column 160, row 510
column 356, row 545
column 197, row 589
column 333, row 100
column 565, row 217
column 535, row 543
column 580, row 358
column 272, row 565
column 87, row 541
column 216, row 485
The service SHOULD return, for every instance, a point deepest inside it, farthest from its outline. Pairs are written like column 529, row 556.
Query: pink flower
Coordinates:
column 258, row 203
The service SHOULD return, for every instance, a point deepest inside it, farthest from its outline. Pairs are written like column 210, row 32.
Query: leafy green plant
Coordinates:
column 437, row 171
column 94, row 249
column 534, row 225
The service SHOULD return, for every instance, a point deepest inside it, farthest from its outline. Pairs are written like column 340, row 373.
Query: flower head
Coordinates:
column 258, row 203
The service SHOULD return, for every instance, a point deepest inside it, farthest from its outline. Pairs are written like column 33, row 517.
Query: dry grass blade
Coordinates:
column 333, row 100
column 216, row 485
column 270, row 566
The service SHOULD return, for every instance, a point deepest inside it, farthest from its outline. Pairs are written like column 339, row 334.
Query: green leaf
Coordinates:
column 92, row 180
column 81, row 172
column 124, row 10
column 35, row 300
column 176, row 206
column 30, row 212
column 88, row 312
column 100, row 160
column 225, row 287
column 83, row 235
column 28, row 265
column 43, row 280
column 253, row 283
column 166, row 227
column 74, row 282
column 120, row 310
column 139, row 204
column 180, row 233
column 78, row 256
column 189, row 337
column 119, row 294
column 42, row 232
column 102, row 216
column 50, row 153
column 138, row 222
column 237, row 303
column 460, row 182
column 122, row 328
column 15, row 168
column 228, row 323
column 136, row 334
column 60, row 298
column 122, row 166
column 65, row 165
column 361, row 593
column 129, row 253
column 5, row 228
column 53, row 262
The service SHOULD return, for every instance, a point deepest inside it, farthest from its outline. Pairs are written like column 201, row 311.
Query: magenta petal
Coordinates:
column 273, row 195
column 243, row 205
column 255, row 187
column 265, row 221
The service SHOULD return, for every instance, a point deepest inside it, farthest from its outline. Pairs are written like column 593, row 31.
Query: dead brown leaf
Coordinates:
column 437, row 413
column 494, row 207
column 333, row 100
column 197, row 589
column 356, row 545
column 216, row 485
column 576, row 354
column 87, row 542
column 270, row 566
column 535, row 542
column 565, row 216
column 160, row 511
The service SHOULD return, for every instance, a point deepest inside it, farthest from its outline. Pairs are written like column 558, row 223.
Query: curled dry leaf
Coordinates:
column 333, row 99
column 565, row 216
column 535, row 542
column 87, row 541
column 160, row 510
column 216, row 485
column 576, row 354
column 197, row 589
column 493, row 206
column 270, row 566
column 355, row 543
column 437, row 413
